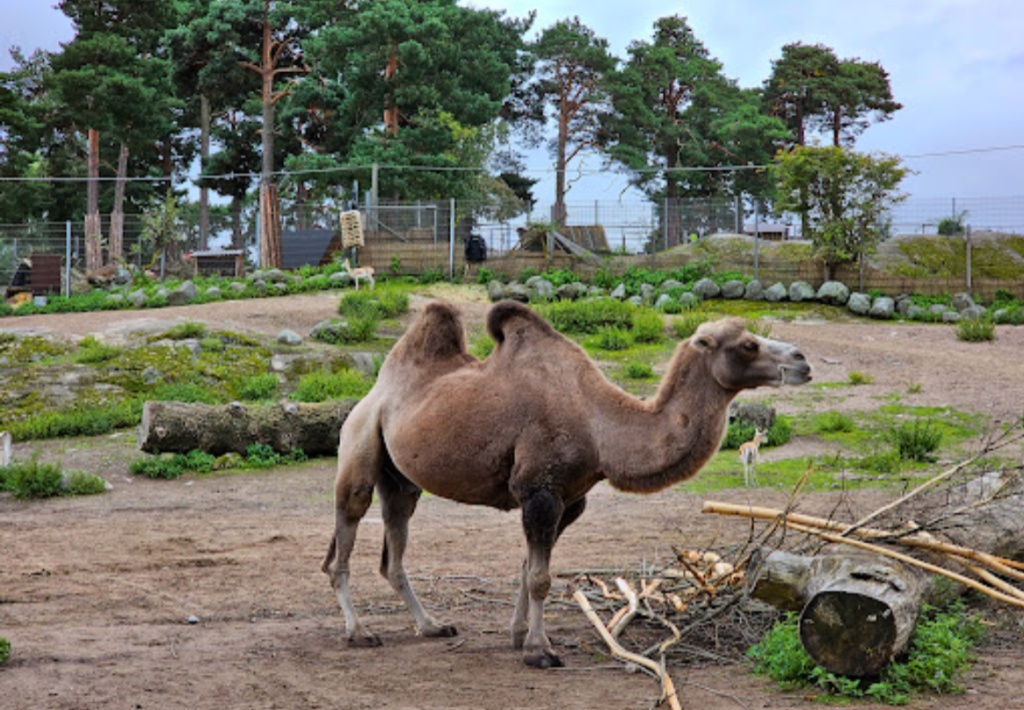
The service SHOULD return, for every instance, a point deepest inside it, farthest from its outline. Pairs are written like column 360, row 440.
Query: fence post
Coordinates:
column 968, row 237
column 451, row 239
column 757, row 237
column 67, row 259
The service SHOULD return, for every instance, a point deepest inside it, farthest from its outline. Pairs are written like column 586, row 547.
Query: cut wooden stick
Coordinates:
column 621, row 620
column 934, row 569
column 668, row 687
column 1001, row 565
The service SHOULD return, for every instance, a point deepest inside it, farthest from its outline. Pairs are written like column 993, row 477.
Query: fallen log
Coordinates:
column 857, row 611
column 180, row 427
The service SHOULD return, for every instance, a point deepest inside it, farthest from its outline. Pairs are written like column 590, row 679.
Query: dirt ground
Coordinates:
column 96, row 593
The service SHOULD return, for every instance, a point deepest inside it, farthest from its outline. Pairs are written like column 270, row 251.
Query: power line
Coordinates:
column 455, row 168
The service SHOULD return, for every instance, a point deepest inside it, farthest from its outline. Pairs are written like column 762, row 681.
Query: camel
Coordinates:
column 749, row 455
column 533, row 427
column 364, row 272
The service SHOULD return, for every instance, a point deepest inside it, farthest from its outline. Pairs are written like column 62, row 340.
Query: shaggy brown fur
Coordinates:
column 535, row 426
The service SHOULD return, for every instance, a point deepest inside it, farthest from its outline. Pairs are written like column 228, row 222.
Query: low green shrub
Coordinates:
column 638, row 371
column 610, row 338
column 939, row 651
column 588, row 316
column 91, row 351
column 189, row 330
column 860, row 378
column 185, row 391
column 258, row 387
column 834, row 423
column 264, row 456
column 32, row 479
column 5, row 645
column 481, row 346
column 385, row 303
column 172, row 466
column 80, row 421
column 915, row 441
column 648, row 326
column 687, row 325
column 82, row 483
column 212, row 344
column 323, row 385
column 976, row 330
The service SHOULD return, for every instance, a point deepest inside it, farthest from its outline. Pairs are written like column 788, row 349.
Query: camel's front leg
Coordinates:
column 520, row 620
column 542, row 513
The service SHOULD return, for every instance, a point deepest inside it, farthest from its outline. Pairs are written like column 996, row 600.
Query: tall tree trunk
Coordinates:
column 390, row 105
column 559, row 212
column 93, row 229
column 237, row 237
column 671, row 205
column 837, row 125
column 204, row 158
column 117, row 213
column 268, row 212
column 300, row 205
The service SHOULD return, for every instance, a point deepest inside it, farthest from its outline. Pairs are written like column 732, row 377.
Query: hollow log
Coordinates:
column 180, row 427
column 857, row 611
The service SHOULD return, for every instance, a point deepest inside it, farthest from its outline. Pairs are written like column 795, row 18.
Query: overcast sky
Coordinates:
column 957, row 66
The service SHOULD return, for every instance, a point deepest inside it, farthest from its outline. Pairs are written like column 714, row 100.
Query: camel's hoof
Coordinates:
column 441, row 631
column 366, row 641
column 543, row 659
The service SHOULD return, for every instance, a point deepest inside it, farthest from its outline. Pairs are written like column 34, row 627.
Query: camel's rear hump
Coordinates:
column 509, row 317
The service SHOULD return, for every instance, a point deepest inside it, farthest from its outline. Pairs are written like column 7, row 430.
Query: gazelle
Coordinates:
column 748, row 455
column 363, row 272
column 5, row 448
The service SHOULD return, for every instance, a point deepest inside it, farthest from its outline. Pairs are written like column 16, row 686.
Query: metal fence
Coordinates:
column 416, row 237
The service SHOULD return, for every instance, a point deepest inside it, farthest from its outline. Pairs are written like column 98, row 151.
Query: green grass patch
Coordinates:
column 638, row 371
column 92, row 352
column 915, row 440
column 940, row 651
column 323, row 385
column 171, row 466
column 589, row 316
column 5, row 650
column 857, row 378
column 687, row 325
column 76, row 421
column 383, row 303
column 481, row 346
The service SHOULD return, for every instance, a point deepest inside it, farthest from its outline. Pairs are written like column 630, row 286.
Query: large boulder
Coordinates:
column 340, row 279
column 571, row 291
column 289, row 337
column 647, row 292
column 517, row 292
column 663, row 300
column 619, row 292
column 961, row 302
column 801, row 291
column 973, row 312
column 754, row 291
column 137, row 298
column 951, row 317
column 834, row 293
column 733, row 290
column 183, row 294
column 706, row 288
column 883, row 308
column 775, row 293
column 541, row 288
column 670, row 283
column 859, row 303
column 496, row 291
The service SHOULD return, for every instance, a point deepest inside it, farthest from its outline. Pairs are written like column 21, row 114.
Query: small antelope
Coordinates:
column 748, row 455
column 364, row 272
column 5, row 448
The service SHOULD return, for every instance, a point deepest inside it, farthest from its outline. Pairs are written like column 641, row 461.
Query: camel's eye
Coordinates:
column 750, row 346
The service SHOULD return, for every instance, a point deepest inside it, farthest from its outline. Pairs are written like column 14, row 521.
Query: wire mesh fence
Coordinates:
column 414, row 238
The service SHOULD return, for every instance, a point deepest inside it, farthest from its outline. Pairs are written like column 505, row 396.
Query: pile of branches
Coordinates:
column 702, row 597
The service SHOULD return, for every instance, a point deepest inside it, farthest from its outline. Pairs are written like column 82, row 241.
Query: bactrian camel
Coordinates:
column 535, row 426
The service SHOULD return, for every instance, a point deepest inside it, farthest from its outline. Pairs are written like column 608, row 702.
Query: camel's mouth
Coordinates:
column 794, row 374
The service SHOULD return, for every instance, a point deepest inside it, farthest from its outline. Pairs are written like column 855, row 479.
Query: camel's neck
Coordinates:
column 646, row 446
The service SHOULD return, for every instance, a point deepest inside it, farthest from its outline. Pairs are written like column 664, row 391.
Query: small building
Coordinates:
column 774, row 231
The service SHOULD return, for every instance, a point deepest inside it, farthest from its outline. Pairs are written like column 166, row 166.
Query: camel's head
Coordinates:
column 741, row 360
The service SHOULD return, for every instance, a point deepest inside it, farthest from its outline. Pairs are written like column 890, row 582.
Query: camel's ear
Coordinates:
column 703, row 341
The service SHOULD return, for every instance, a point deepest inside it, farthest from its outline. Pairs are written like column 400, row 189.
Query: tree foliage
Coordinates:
column 844, row 195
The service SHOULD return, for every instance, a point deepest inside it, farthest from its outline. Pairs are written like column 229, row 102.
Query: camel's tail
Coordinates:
column 510, row 316
column 326, row 566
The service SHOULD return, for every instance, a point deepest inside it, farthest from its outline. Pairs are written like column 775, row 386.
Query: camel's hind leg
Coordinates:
column 360, row 457
column 398, row 498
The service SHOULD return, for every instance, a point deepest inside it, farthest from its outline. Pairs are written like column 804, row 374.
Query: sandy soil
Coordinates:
column 96, row 593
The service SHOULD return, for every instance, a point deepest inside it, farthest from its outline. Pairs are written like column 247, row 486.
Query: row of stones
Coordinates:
column 833, row 293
